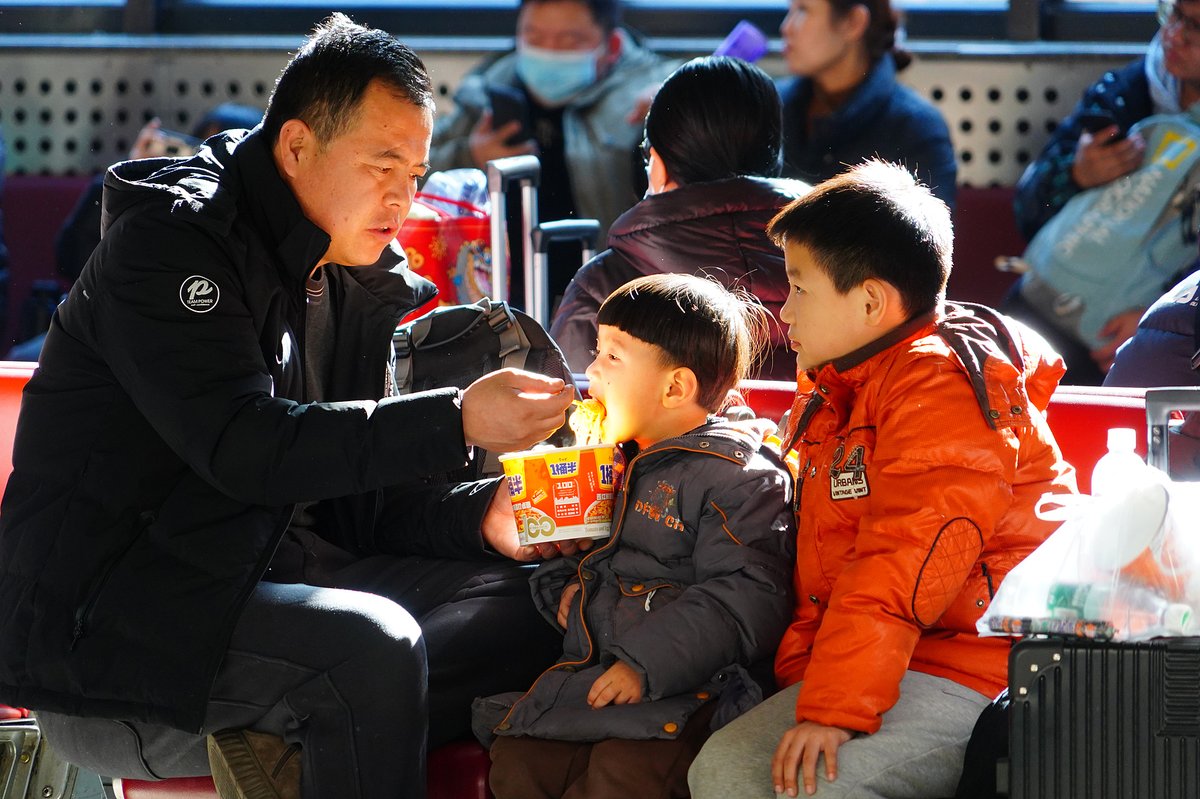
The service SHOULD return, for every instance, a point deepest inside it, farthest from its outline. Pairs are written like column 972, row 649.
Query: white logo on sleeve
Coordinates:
column 199, row 294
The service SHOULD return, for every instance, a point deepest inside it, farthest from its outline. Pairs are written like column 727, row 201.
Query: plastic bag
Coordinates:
column 1123, row 566
column 447, row 237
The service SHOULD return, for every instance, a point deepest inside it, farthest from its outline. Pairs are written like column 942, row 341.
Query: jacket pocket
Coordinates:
column 83, row 614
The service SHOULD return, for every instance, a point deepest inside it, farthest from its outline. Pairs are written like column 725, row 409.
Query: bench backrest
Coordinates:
column 1079, row 416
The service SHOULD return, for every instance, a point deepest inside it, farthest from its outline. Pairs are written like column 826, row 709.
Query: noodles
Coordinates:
column 587, row 422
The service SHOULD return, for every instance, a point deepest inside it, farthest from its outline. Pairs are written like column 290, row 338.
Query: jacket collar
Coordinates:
column 704, row 200
column 860, row 110
column 988, row 350
column 274, row 209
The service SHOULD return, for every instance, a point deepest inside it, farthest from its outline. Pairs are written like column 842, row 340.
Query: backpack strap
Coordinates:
column 514, row 347
column 403, row 346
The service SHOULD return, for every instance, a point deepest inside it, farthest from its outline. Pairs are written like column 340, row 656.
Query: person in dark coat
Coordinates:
column 712, row 150
column 1165, row 351
column 667, row 618
column 210, row 455
column 844, row 104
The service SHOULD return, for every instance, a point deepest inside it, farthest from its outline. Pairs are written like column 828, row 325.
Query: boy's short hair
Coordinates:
column 325, row 81
column 874, row 221
column 607, row 13
column 699, row 324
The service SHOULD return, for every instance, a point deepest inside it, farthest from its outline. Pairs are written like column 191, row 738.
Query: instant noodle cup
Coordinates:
column 561, row 493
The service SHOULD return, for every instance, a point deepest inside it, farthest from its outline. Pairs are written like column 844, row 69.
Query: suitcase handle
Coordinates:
column 585, row 231
column 526, row 171
column 1159, row 404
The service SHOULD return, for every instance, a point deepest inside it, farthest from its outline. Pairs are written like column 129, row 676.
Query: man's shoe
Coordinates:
column 253, row 765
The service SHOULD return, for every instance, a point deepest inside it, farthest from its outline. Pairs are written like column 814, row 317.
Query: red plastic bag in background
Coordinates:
column 449, row 242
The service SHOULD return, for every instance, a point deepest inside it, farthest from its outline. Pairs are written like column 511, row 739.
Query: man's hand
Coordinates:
column 499, row 530
column 799, row 750
column 1102, row 158
column 487, row 143
column 1116, row 331
column 564, row 602
column 511, row 410
column 620, row 685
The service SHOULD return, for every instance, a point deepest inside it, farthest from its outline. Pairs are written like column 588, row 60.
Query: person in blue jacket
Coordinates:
column 845, row 105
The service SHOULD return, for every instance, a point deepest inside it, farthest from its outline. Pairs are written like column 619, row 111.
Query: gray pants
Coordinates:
column 918, row 752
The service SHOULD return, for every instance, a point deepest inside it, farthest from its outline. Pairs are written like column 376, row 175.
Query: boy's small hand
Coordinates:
column 564, row 603
column 620, row 685
column 799, row 750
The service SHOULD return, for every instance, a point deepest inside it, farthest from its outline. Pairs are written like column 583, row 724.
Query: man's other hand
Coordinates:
column 499, row 530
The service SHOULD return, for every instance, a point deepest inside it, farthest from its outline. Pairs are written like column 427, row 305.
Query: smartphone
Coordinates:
column 1094, row 120
column 508, row 104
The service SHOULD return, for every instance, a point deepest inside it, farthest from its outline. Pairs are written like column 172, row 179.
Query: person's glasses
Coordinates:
column 1171, row 18
column 646, row 150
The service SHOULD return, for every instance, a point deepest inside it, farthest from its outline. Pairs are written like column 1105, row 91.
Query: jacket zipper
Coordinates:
column 84, row 613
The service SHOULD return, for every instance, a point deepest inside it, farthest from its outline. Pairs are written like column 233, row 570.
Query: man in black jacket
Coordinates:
column 209, row 456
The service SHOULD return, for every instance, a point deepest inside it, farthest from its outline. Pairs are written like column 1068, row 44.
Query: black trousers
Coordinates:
column 379, row 657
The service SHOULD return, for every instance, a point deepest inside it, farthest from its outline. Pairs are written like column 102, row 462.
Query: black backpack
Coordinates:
column 455, row 344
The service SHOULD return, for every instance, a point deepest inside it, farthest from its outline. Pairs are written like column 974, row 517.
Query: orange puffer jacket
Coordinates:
column 919, row 459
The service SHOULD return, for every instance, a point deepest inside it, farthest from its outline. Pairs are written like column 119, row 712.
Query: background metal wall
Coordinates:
column 75, row 110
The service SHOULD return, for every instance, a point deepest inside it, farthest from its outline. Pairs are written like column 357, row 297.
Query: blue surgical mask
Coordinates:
column 555, row 76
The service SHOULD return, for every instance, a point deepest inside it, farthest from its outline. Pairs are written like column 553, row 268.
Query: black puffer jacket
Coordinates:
column 162, row 443
column 716, row 228
column 691, row 590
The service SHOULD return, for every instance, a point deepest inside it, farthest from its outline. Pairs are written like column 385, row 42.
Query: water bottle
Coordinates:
column 745, row 41
column 1120, row 467
column 1133, row 611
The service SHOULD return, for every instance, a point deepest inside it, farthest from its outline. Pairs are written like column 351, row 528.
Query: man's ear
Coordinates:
column 682, row 387
column 295, row 139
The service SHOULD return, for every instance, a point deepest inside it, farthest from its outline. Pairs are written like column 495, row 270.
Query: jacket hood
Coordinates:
column 1008, row 364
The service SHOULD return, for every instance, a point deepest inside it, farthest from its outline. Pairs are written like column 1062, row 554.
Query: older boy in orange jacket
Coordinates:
column 920, row 447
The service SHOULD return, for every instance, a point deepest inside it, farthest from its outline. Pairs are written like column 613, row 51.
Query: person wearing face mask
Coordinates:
column 712, row 147
column 844, row 104
column 579, row 77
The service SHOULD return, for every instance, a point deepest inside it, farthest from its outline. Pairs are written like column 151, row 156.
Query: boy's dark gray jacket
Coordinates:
column 692, row 588
column 163, row 442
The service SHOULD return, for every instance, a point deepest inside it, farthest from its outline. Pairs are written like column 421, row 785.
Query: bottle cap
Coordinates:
column 745, row 41
column 1177, row 618
column 1121, row 439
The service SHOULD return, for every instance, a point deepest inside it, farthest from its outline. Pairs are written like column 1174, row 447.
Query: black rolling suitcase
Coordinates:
column 1103, row 719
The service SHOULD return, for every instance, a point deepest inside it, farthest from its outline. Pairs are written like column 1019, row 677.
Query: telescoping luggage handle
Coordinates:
column 585, row 231
column 526, row 171
column 1159, row 404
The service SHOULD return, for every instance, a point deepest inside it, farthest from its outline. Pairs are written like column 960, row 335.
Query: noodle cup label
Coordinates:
column 562, row 493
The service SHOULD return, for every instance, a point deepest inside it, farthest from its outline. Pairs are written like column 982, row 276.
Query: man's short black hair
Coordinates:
column 607, row 13
column 325, row 81
column 874, row 221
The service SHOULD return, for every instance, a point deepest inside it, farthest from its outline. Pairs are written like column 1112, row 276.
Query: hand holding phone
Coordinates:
column 1094, row 120
column 508, row 104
